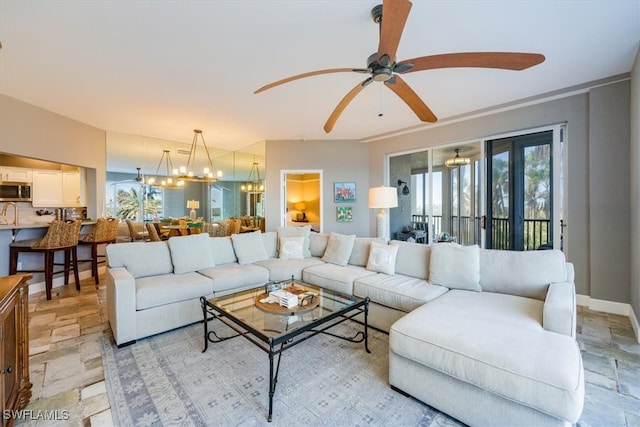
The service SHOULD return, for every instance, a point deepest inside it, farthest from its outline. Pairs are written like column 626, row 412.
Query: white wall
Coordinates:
column 340, row 161
column 585, row 131
column 30, row 131
column 635, row 189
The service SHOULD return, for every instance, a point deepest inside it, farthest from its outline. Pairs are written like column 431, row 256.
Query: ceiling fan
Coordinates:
column 392, row 15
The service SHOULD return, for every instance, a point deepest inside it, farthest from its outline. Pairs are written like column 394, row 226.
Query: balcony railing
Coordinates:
column 537, row 232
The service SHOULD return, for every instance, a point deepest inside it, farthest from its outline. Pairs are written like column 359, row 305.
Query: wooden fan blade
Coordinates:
column 394, row 17
column 333, row 118
column 303, row 75
column 402, row 89
column 504, row 60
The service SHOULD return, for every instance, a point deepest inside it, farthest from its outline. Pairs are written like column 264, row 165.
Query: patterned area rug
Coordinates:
column 165, row 380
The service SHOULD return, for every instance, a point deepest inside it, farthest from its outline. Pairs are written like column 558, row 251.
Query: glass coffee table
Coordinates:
column 274, row 328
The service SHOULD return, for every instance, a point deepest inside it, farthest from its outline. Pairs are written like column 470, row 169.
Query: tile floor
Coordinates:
column 66, row 364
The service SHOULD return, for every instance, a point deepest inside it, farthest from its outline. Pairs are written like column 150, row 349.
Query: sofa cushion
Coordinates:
column 361, row 247
column 222, row 250
column 141, row 259
column 164, row 289
column 496, row 342
column 297, row 231
column 270, row 241
column 339, row 248
column 249, row 247
column 455, row 266
column 318, row 243
column 234, row 276
column 527, row 273
column 412, row 259
column 401, row 292
column 382, row 258
column 284, row 269
column 190, row 253
column 291, row 247
column 335, row 277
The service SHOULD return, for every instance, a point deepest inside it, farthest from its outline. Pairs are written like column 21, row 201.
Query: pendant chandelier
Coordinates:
column 457, row 160
column 170, row 179
column 187, row 173
column 254, row 184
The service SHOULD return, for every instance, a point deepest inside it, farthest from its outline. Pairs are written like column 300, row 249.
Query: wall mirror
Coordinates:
column 237, row 191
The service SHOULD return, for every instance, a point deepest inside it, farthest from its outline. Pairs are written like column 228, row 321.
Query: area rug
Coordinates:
column 166, row 380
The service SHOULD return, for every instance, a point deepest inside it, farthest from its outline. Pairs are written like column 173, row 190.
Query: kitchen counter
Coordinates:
column 10, row 233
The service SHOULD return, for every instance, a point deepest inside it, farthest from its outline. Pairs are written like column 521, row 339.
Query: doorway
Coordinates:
column 520, row 192
column 301, row 198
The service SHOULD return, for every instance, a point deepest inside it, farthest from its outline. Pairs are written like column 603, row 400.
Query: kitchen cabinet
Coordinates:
column 47, row 189
column 15, row 174
column 15, row 387
column 72, row 189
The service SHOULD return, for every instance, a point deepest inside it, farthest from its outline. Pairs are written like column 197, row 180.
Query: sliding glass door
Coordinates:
column 520, row 192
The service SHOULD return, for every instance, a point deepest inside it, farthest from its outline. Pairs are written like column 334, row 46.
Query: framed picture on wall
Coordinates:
column 344, row 192
column 344, row 214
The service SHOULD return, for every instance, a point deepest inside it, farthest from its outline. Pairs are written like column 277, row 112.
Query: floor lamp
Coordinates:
column 382, row 198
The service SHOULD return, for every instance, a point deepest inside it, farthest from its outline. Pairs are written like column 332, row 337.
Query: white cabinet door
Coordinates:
column 15, row 174
column 72, row 189
column 47, row 189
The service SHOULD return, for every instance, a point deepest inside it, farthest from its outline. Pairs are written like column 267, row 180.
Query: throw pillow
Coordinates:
column 339, row 248
column 249, row 247
column 455, row 266
column 382, row 258
column 291, row 247
column 297, row 231
column 190, row 253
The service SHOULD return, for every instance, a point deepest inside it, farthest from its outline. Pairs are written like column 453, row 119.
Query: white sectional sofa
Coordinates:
column 485, row 336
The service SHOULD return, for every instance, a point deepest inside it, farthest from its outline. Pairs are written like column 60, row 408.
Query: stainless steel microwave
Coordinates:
column 15, row 191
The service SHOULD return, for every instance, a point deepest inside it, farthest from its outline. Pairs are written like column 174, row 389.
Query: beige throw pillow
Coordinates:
column 382, row 258
column 249, row 247
column 291, row 247
column 339, row 248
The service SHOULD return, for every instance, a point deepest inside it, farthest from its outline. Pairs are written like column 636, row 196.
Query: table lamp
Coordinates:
column 193, row 205
column 382, row 198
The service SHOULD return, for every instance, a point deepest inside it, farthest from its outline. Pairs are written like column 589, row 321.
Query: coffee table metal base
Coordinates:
column 275, row 346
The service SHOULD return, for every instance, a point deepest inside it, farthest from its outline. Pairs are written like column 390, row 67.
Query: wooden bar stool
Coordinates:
column 104, row 232
column 61, row 236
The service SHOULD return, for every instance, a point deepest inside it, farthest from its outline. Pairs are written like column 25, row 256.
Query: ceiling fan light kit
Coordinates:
column 391, row 16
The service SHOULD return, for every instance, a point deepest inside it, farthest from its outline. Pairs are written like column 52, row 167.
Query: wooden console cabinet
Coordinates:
column 15, row 387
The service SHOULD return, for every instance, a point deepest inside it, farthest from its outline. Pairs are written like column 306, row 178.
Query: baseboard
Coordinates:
column 612, row 307
column 34, row 288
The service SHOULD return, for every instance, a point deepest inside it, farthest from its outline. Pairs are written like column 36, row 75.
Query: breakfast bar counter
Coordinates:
column 23, row 231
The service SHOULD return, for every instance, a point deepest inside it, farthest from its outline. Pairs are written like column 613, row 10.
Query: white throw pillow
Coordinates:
column 191, row 253
column 249, row 247
column 339, row 248
column 455, row 266
column 297, row 231
column 382, row 258
column 291, row 247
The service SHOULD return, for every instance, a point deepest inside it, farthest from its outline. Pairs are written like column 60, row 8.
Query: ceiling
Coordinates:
column 160, row 69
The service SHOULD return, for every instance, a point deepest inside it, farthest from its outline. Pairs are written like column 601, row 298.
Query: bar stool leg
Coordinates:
column 76, row 276
column 94, row 262
column 66, row 266
column 13, row 260
column 48, row 271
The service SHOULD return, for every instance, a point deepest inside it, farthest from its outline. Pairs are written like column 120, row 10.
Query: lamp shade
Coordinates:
column 193, row 204
column 383, row 197
column 300, row 206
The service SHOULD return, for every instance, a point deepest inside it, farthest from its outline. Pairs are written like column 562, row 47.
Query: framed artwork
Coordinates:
column 344, row 213
column 344, row 192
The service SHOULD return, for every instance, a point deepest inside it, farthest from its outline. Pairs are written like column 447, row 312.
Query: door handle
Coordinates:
column 8, row 370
